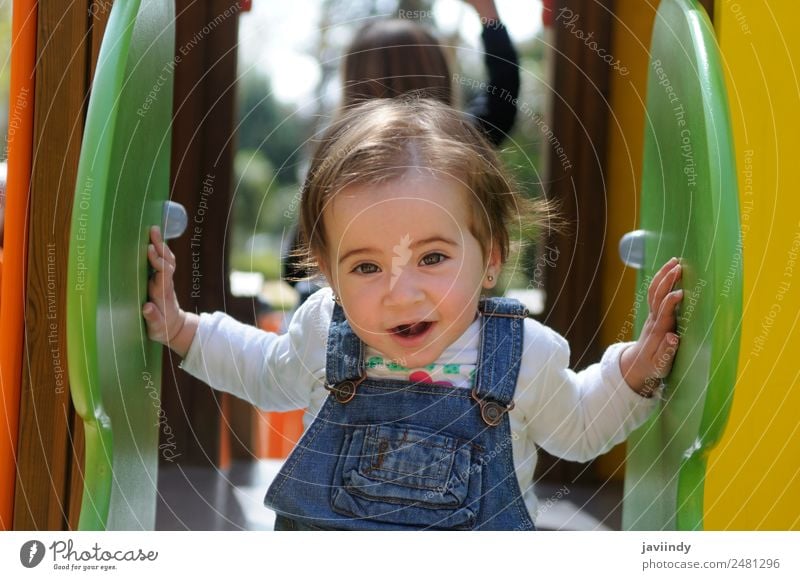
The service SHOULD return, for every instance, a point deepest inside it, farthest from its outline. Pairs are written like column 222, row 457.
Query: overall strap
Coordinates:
column 502, row 331
column 344, row 356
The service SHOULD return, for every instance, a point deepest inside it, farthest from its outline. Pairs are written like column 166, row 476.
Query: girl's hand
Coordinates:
column 166, row 322
column 649, row 359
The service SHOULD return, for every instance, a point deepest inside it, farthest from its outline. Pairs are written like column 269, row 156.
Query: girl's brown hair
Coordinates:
column 384, row 139
column 389, row 58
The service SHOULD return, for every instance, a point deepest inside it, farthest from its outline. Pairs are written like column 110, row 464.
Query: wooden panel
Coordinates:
column 576, row 181
column 202, row 163
column 45, row 409
column 579, row 118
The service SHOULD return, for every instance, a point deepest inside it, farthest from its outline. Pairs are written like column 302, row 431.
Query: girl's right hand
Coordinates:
column 166, row 322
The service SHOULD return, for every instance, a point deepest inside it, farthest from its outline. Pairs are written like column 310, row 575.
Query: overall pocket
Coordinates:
column 408, row 476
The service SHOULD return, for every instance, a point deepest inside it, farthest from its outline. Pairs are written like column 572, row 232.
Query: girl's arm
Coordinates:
column 576, row 415
column 273, row 372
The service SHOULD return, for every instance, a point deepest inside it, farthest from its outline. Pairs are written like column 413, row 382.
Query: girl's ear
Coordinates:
column 326, row 271
column 493, row 267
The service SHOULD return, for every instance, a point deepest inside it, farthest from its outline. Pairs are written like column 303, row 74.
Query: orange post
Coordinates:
column 281, row 431
column 12, row 292
column 277, row 432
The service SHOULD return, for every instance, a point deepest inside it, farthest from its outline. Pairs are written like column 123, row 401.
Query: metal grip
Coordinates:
column 174, row 220
column 631, row 249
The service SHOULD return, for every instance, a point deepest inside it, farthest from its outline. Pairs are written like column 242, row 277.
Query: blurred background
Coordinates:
column 289, row 86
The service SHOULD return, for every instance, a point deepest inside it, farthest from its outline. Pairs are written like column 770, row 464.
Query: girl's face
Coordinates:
column 406, row 266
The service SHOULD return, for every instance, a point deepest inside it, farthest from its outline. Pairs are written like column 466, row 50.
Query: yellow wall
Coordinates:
column 754, row 473
column 633, row 27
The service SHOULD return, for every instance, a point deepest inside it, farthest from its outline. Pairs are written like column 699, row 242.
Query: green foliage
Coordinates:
column 267, row 126
column 254, row 179
column 266, row 175
column 263, row 211
column 268, row 263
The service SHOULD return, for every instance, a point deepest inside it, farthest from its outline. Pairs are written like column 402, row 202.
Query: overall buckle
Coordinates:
column 491, row 411
column 345, row 391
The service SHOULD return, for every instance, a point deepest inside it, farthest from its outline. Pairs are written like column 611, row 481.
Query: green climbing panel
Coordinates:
column 689, row 209
column 123, row 182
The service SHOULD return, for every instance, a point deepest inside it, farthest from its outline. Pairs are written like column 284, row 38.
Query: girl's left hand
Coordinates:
column 649, row 359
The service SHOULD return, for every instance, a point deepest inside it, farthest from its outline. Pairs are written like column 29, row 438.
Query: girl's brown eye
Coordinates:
column 434, row 258
column 366, row 268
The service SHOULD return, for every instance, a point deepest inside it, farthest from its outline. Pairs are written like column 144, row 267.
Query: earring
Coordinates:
column 491, row 278
column 336, row 299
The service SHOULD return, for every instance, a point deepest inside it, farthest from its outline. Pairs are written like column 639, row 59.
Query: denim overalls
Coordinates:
column 395, row 455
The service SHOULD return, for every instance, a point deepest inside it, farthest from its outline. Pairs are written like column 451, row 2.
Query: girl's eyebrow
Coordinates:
column 354, row 252
column 424, row 242
column 434, row 239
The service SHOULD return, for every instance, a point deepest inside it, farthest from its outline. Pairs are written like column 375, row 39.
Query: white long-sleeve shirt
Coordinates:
column 576, row 416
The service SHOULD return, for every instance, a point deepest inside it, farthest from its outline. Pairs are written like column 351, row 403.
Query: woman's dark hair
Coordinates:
column 389, row 58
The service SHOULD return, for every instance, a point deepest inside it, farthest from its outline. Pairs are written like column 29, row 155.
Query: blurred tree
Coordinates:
column 266, row 171
column 255, row 176
column 267, row 126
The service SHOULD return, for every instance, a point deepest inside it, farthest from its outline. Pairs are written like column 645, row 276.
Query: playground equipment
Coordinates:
column 122, row 186
column 750, row 481
column 689, row 209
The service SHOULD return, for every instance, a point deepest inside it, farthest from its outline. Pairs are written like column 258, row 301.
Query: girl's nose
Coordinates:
column 403, row 289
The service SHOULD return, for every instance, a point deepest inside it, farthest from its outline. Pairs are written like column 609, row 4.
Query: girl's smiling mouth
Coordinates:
column 411, row 334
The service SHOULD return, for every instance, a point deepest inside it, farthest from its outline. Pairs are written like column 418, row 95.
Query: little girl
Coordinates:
column 425, row 401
